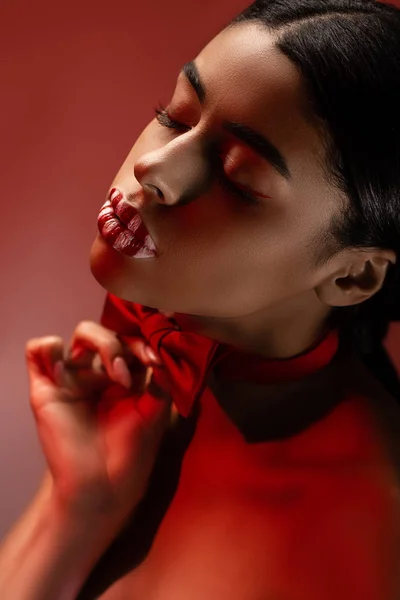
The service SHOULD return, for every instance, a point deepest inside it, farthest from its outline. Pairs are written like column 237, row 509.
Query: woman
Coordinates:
column 250, row 239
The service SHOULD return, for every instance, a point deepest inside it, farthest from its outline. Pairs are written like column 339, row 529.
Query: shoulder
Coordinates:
column 362, row 431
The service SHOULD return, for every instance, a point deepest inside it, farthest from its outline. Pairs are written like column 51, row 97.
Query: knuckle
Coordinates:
column 31, row 344
column 95, row 332
column 53, row 340
column 84, row 327
column 40, row 342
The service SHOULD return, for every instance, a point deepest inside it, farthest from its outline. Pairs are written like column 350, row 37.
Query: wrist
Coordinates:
column 81, row 511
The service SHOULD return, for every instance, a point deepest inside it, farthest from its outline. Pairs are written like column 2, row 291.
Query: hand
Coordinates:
column 100, row 438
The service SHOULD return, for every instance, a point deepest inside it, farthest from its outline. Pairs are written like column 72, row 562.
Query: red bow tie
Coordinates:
column 186, row 357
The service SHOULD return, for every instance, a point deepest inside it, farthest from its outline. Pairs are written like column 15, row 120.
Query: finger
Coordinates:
column 89, row 339
column 88, row 381
column 89, row 335
column 41, row 355
column 116, row 352
column 140, row 348
column 93, row 377
column 156, row 400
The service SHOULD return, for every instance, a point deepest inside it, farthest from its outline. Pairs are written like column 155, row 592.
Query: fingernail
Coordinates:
column 58, row 373
column 122, row 372
column 152, row 355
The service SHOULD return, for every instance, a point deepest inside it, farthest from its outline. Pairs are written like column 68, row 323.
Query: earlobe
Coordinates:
column 357, row 281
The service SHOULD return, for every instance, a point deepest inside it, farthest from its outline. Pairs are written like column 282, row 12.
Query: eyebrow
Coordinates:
column 255, row 140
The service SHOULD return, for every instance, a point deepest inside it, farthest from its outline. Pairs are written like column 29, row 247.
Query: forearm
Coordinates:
column 49, row 553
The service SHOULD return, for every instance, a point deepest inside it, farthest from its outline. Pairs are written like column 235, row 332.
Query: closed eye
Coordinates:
column 165, row 120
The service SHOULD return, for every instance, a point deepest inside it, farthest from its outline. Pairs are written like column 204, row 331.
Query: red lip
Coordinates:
column 126, row 213
column 132, row 240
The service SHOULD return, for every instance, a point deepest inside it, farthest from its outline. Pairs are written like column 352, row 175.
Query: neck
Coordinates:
column 274, row 332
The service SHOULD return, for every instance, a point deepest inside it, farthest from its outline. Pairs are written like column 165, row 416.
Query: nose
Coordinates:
column 178, row 172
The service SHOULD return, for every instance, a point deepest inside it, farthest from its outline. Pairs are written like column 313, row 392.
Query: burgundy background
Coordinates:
column 79, row 82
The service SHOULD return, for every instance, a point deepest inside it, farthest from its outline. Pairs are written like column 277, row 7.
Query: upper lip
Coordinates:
column 126, row 211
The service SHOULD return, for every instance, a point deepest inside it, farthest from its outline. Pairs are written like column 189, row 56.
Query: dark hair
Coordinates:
column 348, row 53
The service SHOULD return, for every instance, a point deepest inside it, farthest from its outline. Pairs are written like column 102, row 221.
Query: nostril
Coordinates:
column 154, row 189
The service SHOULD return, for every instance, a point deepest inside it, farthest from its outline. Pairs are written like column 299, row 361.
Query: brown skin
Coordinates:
column 238, row 273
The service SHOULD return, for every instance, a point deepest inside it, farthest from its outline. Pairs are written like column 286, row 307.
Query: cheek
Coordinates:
column 242, row 272
column 272, row 259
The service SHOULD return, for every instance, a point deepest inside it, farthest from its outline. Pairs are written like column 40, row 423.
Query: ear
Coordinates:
column 358, row 276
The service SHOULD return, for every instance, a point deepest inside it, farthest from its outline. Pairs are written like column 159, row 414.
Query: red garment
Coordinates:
column 254, row 510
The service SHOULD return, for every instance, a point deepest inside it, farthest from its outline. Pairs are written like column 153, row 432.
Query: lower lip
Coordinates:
column 117, row 235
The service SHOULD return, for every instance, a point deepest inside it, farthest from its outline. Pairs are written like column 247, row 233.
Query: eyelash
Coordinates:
column 164, row 119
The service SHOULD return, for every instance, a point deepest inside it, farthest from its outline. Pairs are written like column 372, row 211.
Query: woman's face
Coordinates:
column 220, row 254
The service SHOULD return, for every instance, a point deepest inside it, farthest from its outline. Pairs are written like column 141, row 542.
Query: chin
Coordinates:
column 101, row 265
column 108, row 267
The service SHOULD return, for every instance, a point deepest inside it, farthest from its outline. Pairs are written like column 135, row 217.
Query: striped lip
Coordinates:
column 130, row 217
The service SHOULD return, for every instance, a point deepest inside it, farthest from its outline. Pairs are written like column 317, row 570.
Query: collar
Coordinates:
column 188, row 358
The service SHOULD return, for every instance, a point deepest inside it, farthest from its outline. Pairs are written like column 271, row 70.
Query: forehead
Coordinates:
column 246, row 54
